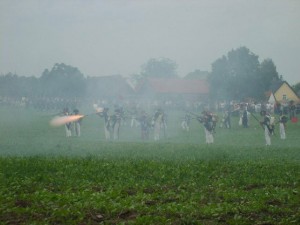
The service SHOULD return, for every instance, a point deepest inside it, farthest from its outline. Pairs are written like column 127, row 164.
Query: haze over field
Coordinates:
column 117, row 37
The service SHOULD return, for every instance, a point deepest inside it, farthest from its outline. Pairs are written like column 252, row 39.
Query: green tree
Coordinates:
column 219, row 79
column 239, row 75
column 296, row 88
column 13, row 85
column 243, row 73
column 268, row 74
column 162, row 68
column 63, row 81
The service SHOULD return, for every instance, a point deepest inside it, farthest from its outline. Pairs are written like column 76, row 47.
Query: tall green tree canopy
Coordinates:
column 63, row 81
column 297, row 88
column 18, row 86
column 268, row 73
column 162, row 68
column 240, row 75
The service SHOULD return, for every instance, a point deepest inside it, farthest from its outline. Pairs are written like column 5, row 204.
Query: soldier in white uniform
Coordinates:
column 208, row 123
column 266, row 123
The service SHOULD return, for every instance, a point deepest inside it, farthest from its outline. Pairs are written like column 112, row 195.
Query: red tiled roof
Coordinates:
column 178, row 86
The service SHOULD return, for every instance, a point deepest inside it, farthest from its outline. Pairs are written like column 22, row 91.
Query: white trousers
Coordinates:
column 208, row 136
column 107, row 133
column 282, row 131
column 68, row 131
column 134, row 123
column 267, row 136
column 156, row 131
column 116, row 131
column 185, row 126
column 77, row 129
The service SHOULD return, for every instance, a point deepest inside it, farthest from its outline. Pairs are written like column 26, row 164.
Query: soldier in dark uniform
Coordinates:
column 292, row 109
column 227, row 119
column 207, row 120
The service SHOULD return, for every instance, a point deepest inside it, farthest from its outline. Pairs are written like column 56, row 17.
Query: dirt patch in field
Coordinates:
column 274, row 202
column 149, row 190
column 253, row 186
column 23, row 203
column 128, row 215
column 98, row 189
column 129, row 192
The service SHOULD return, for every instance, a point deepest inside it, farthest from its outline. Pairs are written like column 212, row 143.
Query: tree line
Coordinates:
column 237, row 75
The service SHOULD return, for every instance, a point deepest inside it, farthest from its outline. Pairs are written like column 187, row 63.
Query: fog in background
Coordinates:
column 116, row 37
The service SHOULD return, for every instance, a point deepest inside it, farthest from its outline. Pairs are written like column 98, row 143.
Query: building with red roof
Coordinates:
column 173, row 88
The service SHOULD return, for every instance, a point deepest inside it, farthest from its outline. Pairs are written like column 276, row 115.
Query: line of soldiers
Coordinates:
column 158, row 123
column 112, row 123
column 209, row 121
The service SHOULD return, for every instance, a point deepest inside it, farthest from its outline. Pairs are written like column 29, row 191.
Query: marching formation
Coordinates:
column 156, row 125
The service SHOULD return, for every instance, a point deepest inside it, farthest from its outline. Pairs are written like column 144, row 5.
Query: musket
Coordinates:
column 271, row 132
column 256, row 120
column 95, row 113
column 127, row 111
column 196, row 116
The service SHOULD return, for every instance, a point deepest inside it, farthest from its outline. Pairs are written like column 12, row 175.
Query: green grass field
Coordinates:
column 46, row 178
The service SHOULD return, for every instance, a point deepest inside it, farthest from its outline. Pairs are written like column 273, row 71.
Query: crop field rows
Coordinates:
column 47, row 178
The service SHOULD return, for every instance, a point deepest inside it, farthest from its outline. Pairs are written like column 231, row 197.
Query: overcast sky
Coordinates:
column 105, row 37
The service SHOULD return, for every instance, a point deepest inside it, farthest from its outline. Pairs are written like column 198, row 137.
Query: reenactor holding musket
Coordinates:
column 267, row 126
column 209, row 122
column 245, row 118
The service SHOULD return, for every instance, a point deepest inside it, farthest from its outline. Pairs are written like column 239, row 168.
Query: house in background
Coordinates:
column 110, row 88
column 173, row 89
column 283, row 93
